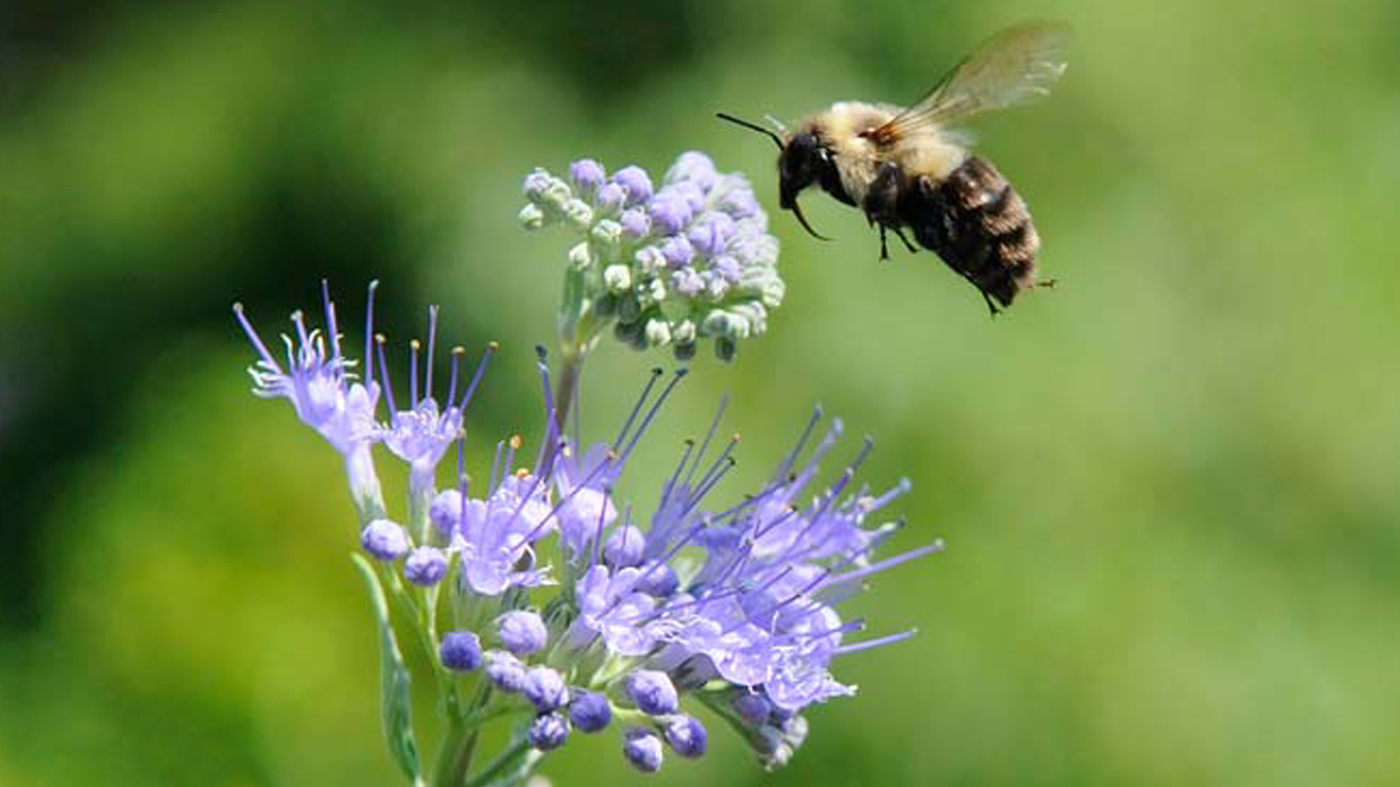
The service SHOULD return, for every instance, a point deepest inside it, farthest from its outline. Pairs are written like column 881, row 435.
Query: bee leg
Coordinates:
column 899, row 233
column 884, row 247
column 1048, row 284
column 990, row 305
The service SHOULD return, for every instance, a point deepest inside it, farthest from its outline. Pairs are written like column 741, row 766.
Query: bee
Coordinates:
column 909, row 168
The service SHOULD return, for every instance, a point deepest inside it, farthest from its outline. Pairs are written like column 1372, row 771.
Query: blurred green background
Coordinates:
column 1168, row 487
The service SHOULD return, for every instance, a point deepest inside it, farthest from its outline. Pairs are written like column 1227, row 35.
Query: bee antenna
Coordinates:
column 777, row 140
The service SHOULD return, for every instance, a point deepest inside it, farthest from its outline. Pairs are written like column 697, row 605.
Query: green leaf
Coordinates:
column 394, row 698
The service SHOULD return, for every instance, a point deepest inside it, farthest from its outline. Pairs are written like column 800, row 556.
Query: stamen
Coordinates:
column 457, row 353
column 874, row 643
column 332, row 327
column 369, row 331
column 636, row 408
column 491, row 348
column 380, row 341
column 300, row 320
column 724, row 455
column 875, row 568
column 670, row 486
column 660, row 400
column 550, row 428
column 254, row 338
column 432, row 345
column 785, row 467
column 495, row 469
column 413, row 347
column 709, row 435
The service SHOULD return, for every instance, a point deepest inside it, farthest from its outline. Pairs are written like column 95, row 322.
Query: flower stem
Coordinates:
column 514, row 764
column 567, row 387
column 459, row 744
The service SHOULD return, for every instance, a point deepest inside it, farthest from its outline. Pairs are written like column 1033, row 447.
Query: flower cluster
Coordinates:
column 667, row 266
column 551, row 599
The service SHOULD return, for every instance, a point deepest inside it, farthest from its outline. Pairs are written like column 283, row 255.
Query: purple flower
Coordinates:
column 460, row 651
column 426, row 566
column 669, row 213
column 522, row 632
column 635, row 223
column 687, row 737
column 317, row 381
column 545, row 688
column 642, row 748
column 549, row 731
column 583, row 483
column 624, row 547
column 587, row 175
column 652, row 692
column 612, row 608
column 753, row 708
column 505, row 672
column 637, row 183
column 677, row 251
column 694, row 167
column 590, row 712
column 385, row 540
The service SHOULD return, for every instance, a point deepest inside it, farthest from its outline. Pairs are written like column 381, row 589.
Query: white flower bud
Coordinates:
column 580, row 257
column 579, row 213
column 658, row 333
column 617, row 278
column 684, row 332
column 607, row 234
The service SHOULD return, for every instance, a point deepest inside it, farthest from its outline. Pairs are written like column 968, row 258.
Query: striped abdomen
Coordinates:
column 978, row 224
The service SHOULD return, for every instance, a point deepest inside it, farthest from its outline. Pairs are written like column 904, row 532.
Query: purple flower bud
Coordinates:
column 652, row 692
column 642, row 748
column 711, row 233
column 687, row 737
column 549, row 732
column 635, row 223
column 505, row 672
column 545, row 688
column 590, row 712
column 689, row 193
column 694, row 167
column 537, row 183
column 677, row 251
column 460, row 651
column 636, row 181
column 446, row 511
column 426, row 566
column 624, row 547
column 753, row 708
column 740, row 203
column 728, row 267
column 384, row 539
column 522, row 632
column 610, row 197
column 668, row 214
column 687, row 282
column 587, row 175
column 659, row 581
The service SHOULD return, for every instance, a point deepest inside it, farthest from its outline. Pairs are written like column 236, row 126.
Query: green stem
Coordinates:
column 512, row 758
column 459, row 744
column 567, row 387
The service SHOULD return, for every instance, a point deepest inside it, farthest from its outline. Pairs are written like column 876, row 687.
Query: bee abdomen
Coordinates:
column 977, row 223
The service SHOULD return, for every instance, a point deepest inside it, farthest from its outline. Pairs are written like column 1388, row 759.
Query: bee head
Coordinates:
column 798, row 166
column 802, row 161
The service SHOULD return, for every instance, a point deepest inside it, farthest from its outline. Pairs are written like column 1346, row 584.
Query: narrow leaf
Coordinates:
column 395, row 704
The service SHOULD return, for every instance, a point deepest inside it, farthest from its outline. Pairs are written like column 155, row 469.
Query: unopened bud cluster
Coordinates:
column 666, row 266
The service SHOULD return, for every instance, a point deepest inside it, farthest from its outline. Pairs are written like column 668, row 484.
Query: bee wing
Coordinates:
column 1016, row 65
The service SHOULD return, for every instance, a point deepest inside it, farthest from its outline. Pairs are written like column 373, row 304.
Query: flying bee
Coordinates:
column 908, row 168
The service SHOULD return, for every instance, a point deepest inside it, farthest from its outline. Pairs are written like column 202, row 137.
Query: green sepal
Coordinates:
column 395, row 704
